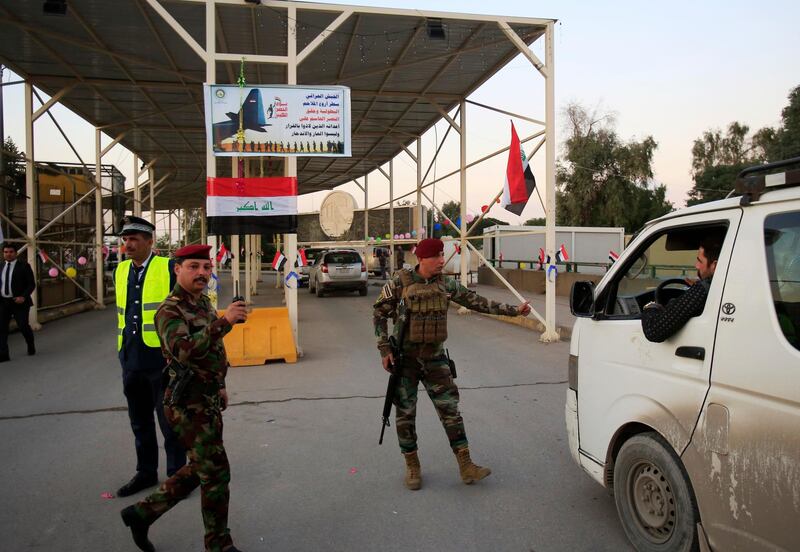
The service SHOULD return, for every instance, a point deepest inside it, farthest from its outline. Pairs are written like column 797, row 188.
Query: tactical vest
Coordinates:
column 155, row 289
column 426, row 304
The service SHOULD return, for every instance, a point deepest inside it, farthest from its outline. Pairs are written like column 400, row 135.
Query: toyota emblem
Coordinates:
column 728, row 309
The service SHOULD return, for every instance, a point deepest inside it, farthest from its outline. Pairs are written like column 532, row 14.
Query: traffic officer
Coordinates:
column 191, row 338
column 142, row 282
column 418, row 300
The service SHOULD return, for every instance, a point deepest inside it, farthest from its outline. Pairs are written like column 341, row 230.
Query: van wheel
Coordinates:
column 319, row 291
column 654, row 497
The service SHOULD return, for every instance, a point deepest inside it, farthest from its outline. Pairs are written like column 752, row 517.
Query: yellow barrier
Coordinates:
column 267, row 335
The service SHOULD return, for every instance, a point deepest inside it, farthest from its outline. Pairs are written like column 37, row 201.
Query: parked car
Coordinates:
column 303, row 271
column 338, row 269
column 698, row 437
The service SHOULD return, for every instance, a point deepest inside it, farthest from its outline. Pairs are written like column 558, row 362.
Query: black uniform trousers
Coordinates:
column 8, row 310
column 145, row 394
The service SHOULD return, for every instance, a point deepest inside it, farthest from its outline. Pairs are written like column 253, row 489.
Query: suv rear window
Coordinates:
column 343, row 257
column 782, row 241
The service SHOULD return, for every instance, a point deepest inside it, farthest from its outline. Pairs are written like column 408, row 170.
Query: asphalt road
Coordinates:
column 308, row 474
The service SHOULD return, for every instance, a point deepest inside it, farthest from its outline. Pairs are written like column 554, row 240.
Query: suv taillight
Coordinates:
column 324, row 268
column 363, row 267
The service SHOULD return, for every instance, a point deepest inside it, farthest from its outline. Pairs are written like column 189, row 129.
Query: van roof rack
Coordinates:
column 752, row 181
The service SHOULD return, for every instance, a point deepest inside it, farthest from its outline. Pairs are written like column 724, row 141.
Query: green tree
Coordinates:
column 603, row 180
column 717, row 157
column 12, row 170
column 541, row 221
column 783, row 142
column 453, row 211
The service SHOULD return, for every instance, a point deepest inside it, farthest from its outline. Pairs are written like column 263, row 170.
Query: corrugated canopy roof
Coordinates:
column 131, row 72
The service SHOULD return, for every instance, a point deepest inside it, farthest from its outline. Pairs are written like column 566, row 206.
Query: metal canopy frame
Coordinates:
column 134, row 70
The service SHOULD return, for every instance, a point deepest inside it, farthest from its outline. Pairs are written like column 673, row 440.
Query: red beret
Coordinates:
column 194, row 252
column 429, row 247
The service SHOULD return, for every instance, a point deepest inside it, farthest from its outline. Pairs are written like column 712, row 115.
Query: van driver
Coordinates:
column 660, row 322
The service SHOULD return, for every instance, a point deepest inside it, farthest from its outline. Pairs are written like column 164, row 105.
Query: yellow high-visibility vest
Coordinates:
column 155, row 289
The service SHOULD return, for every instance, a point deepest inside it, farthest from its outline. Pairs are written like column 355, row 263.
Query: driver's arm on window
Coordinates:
column 660, row 322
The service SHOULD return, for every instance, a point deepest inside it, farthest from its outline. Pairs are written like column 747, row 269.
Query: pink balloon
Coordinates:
column 81, row 260
column 53, row 272
column 113, row 249
column 408, row 235
column 470, row 217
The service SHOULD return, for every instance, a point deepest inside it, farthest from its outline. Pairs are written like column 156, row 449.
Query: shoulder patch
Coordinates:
column 387, row 292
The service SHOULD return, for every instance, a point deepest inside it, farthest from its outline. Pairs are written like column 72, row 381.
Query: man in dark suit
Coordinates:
column 16, row 285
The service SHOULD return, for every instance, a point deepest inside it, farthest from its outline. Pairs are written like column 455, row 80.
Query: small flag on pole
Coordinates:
column 223, row 255
column 612, row 257
column 561, row 254
column 301, row 258
column 277, row 260
column 519, row 183
column 43, row 256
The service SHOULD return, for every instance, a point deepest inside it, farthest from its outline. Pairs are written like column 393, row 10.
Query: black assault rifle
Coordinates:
column 394, row 377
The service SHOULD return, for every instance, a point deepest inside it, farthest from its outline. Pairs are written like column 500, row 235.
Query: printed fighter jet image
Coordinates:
column 253, row 118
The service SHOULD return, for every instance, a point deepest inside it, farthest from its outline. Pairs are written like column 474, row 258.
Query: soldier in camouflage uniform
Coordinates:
column 417, row 300
column 191, row 336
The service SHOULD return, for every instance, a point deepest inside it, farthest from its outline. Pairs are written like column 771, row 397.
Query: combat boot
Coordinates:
column 139, row 529
column 469, row 472
column 413, row 471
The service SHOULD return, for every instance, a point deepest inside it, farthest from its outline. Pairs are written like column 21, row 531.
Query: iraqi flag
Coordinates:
column 43, row 256
column 251, row 205
column 612, row 257
column 277, row 260
column 223, row 255
column 519, row 184
column 301, row 258
column 561, row 254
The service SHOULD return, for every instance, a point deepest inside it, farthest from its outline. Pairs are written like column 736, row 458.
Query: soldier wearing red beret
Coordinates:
column 191, row 340
column 417, row 300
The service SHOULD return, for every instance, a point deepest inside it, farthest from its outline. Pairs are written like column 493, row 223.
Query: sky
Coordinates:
column 670, row 70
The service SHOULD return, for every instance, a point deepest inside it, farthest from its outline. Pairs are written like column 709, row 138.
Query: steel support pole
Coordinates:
column 169, row 233
column 236, row 248
column 211, row 78
column 248, row 251
column 391, row 216
column 418, row 222
column 366, row 210
column 137, row 197
column 152, row 177
column 31, row 203
column 463, row 157
column 98, row 221
column 550, row 334
column 290, row 168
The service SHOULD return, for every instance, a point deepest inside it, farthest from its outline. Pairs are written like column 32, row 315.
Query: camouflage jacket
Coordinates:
column 388, row 306
column 191, row 333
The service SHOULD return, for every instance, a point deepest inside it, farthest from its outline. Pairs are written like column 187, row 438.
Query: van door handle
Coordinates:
column 697, row 353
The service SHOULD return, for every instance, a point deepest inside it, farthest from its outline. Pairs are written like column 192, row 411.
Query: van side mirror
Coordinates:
column 581, row 299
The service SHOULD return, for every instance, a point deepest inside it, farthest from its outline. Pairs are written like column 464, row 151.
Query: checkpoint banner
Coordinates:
column 278, row 120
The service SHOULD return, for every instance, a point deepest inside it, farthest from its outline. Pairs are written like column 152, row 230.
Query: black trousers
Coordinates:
column 145, row 395
column 8, row 310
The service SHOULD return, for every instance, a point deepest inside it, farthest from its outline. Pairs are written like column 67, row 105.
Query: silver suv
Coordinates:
column 338, row 269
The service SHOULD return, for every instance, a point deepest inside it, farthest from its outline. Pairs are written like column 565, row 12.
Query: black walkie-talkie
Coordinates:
column 236, row 296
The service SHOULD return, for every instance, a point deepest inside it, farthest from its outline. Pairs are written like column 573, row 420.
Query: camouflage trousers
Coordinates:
column 199, row 427
column 435, row 376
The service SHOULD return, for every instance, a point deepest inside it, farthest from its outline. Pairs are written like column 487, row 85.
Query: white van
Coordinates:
column 698, row 437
